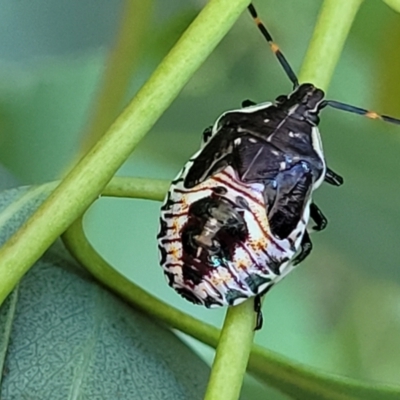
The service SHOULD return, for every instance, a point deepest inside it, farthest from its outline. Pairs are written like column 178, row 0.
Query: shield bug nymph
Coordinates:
column 234, row 221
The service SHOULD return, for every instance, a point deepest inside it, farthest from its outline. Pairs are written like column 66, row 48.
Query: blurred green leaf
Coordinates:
column 62, row 335
column 395, row 4
column 365, row 331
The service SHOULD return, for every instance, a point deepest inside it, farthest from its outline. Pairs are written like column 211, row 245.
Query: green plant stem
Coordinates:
column 395, row 4
column 137, row 188
column 332, row 28
column 86, row 181
column 294, row 379
column 233, row 350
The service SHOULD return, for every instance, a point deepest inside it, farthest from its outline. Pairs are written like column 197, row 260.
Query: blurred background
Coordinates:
column 340, row 310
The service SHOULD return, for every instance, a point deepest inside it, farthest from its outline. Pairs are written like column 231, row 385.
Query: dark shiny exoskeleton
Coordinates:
column 276, row 145
column 234, row 221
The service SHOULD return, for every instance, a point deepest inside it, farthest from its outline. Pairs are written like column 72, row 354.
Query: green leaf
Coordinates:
column 64, row 336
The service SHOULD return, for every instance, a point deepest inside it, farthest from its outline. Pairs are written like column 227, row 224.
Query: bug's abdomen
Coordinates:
column 215, row 241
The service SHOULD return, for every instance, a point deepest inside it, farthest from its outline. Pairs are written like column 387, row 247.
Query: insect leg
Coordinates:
column 248, row 103
column 305, row 249
column 318, row 217
column 333, row 178
column 259, row 316
column 257, row 308
column 357, row 110
column 274, row 47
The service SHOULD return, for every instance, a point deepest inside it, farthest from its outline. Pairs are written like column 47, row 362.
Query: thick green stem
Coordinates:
column 232, row 353
column 137, row 188
column 86, row 181
column 395, row 4
column 332, row 28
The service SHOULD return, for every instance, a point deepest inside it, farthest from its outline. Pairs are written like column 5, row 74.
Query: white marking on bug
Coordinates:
column 317, row 146
column 262, row 287
column 293, row 109
column 238, row 301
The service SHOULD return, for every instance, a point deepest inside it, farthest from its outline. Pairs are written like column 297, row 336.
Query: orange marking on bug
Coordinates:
column 274, row 47
column 175, row 226
column 258, row 245
column 242, row 266
column 257, row 21
column 175, row 253
column 184, row 203
column 372, row 115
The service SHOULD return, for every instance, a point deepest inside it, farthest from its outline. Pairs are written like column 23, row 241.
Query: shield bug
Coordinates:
column 234, row 221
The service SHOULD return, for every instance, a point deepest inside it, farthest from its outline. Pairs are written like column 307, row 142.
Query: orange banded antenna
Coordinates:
column 360, row 111
column 292, row 76
column 274, row 47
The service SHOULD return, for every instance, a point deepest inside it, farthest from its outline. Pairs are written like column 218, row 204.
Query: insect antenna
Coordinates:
column 274, row 47
column 357, row 110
